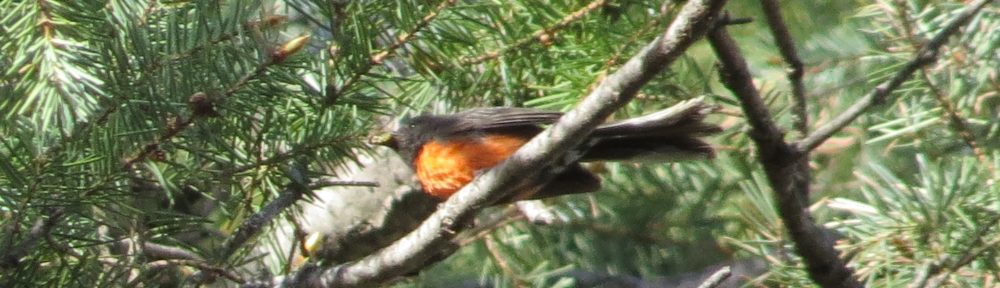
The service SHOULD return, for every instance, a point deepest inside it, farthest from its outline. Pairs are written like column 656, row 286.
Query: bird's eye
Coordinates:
column 411, row 125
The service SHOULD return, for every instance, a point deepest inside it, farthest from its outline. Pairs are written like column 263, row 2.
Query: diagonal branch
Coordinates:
column 958, row 123
column 251, row 227
column 783, row 165
column 12, row 257
column 927, row 55
column 380, row 56
column 952, row 115
column 538, row 36
column 255, row 223
column 715, row 280
column 772, row 12
column 433, row 238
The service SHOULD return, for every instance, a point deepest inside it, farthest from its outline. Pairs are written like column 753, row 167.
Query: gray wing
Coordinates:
column 503, row 117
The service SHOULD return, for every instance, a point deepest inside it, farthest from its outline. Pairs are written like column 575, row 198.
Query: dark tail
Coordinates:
column 668, row 135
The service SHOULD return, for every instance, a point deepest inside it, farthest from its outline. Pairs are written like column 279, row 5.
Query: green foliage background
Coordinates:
column 88, row 85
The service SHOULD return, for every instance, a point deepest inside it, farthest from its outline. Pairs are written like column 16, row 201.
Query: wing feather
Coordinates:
column 503, row 117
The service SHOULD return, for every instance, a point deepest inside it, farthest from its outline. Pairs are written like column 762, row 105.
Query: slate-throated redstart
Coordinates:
column 448, row 151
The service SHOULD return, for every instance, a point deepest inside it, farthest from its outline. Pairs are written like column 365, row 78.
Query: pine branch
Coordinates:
column 203, row 105
column 293, row 153
column 201, row 265
column 958, row 123
column 953, row 263
column 539, row 36
column 256, row 222
column 40, row 231
column 167, row 255
column 409, row 35
column 378, row 57
column 783, row 165
column 59, row 83
column 433, row 237
column 952, row 114
column 928, row 54
column 502, row 262
column 772, row 12
column 252, row 27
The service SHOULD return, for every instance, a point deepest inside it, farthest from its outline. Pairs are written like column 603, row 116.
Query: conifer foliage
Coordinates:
column 174, row 143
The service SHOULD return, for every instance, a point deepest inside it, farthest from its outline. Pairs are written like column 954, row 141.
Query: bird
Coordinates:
column 448, row 151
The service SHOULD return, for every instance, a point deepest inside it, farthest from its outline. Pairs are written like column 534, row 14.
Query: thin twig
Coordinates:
column 294, row 152
column 409, row 35
column 174, row 129
column 159, row 251
column 65, row 249
column 958, row 124
column 772, row 12
column 951, row 113
column 484, row 228
column 378, row 57
column 931, row 269
column 783, row 165
column 538, row 36
column 501, row 262
column 928, row 54
column 12, row 257
column 159, row 63
column 201, row 265
column 716, row 279
column 433, row 237
column 926, row 271
column 321, row 183
column 255, row 223
column 605, row 230
column 297, row 243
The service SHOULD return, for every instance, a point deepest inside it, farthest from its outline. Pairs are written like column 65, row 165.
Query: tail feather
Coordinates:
column 648, row 149
column 668, row 135
column 684, row 118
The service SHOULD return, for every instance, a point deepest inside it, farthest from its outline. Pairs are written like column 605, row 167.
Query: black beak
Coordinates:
column 385, row 139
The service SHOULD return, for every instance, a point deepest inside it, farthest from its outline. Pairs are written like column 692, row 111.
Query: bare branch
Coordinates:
column 12, row 257
column 772, row 12
column 159, row 251
column 784, row 167
column 253, row 225
column 928, row 54
column 716, row 279
column 433, row 238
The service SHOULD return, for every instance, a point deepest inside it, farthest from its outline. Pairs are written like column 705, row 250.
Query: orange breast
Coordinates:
column 445, row 167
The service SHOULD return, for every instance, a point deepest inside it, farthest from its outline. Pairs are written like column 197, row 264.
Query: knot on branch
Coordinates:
column 202, row 105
